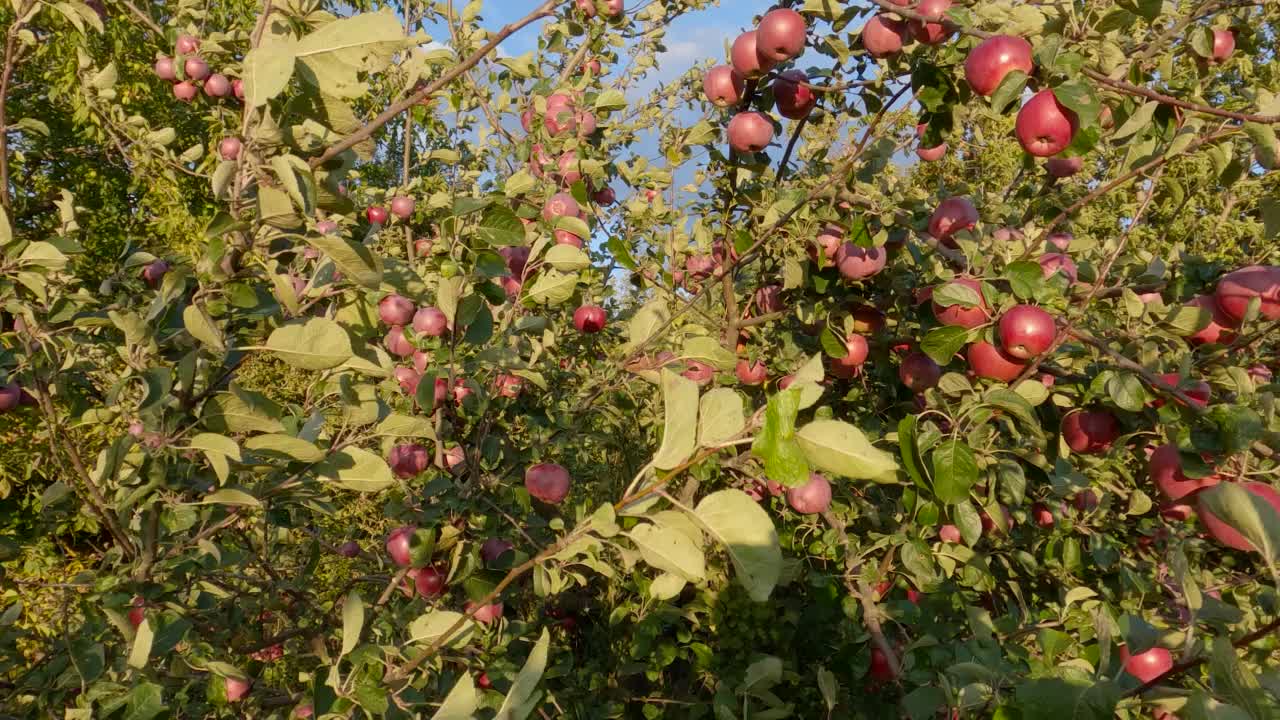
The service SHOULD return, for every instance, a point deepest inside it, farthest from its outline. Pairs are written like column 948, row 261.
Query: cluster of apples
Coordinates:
column 1229, row 302
column 610, row 9
column 779, row 37
column 185, row 68
column 401, row 207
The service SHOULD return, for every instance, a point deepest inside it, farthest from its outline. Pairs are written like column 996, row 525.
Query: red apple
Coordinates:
column 589, row 319
column 517, row 256
column 398, row 544
column 237, row 88
column 1224, row 43
column 1090, row 431
column 1236, row 289
column 857, row 263
column 430, row 321
column 961, row 316
column 1164, row 467
column 780, row 35
column 856, row 354
column 604, row 196
column 165, row 70
column 586, row 123
column 422, row 247
column 593, row 66
column 376, row 214
column 494, row 548
column 699, row 372
column 1198, row 391
column 154, row 272
column 408, row 379
column 402, row 206
column 1217, row 331
column 237, row 688
column 881, row 671
column 560, row 205
column 1051, row 263
column 1222, row 532
column 429, row 582
column 482, row 680
column 919, row 372
column 396, row 343
column 509, row 386
column 949, row 534
column 408, row 459
column 349, row 549
column 951, row 216
column 185, row 91
column 750, row 132
column 187, row 44
column 217, row 85
column 1026, row 331
column 988, row 361
column 1044, row 126
column 137, row 611
column 993, row 59
column 1146, row 666
column 195, row 69
column 812, row 498
column 487, row 614
column 395, row 310
column 750, row 373
column 883, row 36
column 564, row 237
column 461, row 390
column 1061, row 167
column 547, row 482
column 1060, row 240
column 561, row 116
column 795, row 100
column 745, row 59
column 568, row 168
column 724, row 86
column 1041, row 515
column 769, row 299
column 229, row 148
column 930, row 154
column 1085, row 500
column 931, row 33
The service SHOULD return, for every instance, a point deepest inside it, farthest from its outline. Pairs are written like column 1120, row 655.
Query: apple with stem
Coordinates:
column 931, row 33
column 780, row 35
column 993, row 59
column 856, row 350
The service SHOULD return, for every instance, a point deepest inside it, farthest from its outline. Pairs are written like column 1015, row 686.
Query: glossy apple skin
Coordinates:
column 930, row 154
column 487, row 614
column 769, row 299
column 195, row 69
column 398, row 544
column 1051, row 263
column 750, row 373
column 1164, row 467
column 849, row 365
column 1044, row 126
column 961, row 316
column 724, row 86
column 780, row 35
column 950, row 217
column 402, row 207
column 934, row 32
column 919, row 372
column 217, row 85
column 430, row 321
column 395, row 310
column 745, row 59
column 396, row 343
column 1237, row 288
column 794, row 100
column 1224, row 44
column 1026, row 331
column 750, row 132
column 376, row 214
column 1199, row 391
column 589, row 319
column 604, row 196
column 812, row 498
column 560, row 205
column 857, row 263
column 1147, row 666
column 993, row 59
column 429, row 582
column 883, row 36
column 185, row 91
column 237, row 689
column 1227, row 535
column 988, row 361
column 1060, row 167
column 1090, row 431
column 547, row 482
column 1218, row 330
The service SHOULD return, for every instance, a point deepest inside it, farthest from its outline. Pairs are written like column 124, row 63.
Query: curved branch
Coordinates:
column 1138, row 90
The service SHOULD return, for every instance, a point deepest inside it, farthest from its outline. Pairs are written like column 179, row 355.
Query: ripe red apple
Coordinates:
column 154, row 272
column 430, row 321
column 396, row 343
column 949, row 534
column 750, row 132
column 919, row 372
column 856, row 354
column 195, row 69
column 137, row 611
column 461, row 390
column 398, row 544
column 768, row 299
column 1051, row 263
column 483, row 682
column 883, row 36
column 455, row 457
column 795, row 100
column 185, row 91
column 593, row 66
column 723, row 85
column 586, row 123
column 589, row 319
column 237, row 88
column 881, row 671
column 1041, row 515
column 1044, row 126
column 487, row 614
column 349, row 549
column 324, row 227
column 1061, row 167
column 993, row 59
column 217, row 85
column 408, row 379
column 422, row 247
column 857, row 263
column 1085, row 500
column 547, row 482
column 961, row 316
column 745, row 59
column 237, row 688
column 750, row 373
column 930, row 154
column 1090, row 431
column 395, row 310
column 699, row 372
column 780, row 35
column 1224, row 43
column 812, row 498
column 1146, row 666
column 494, row 548
column 1060, row 240
column 950, row 217
column 165, row 70
column 1218, row 329
column 1237, row 288
column 604, row 196
column 560, row 205
column 1198, row 391
column 376, row 214
column 1222, row 532
column 988, row 361
column 1026, row 331
column 564, row 237
column 1164, row 467
column 934, row 32
column 568, row 168
column 408, row 459
column 187, row 44
column 517, row 256
column 509, row 386
column 402, row 206
column 429, row 582
column 229, row 148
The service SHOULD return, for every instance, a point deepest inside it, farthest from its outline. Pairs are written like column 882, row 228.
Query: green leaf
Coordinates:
column 776, row 444
column 314, row 344
column 968, row 520
column 517, row 705
column 1250, row 515
column 924, row 702
column 720, row 416
column 201, row 327
column 954, row 293
column 1009, row 90
column 808, row 380
column 353, row 259
column 1015, row 405
column 427, row 628
column 1127, row 392
column 1025, row 279
column 669, row 550
column 567, row 258
column 266, row 72
column 242, row 411
column 285, row 446
column 708, row 350
column 842, row 449
column 553, row 287
column 334, row 57
column 352, row 622
column 211, row 442
column 43, row 254
column 357, row 469
column 909, row 450
column 943, row 343
column 229, row 496
column 1071, row 694
column 140, row 652
column 500, row 226
column 646, row 322
column 744, row 529
column 611, row 100
column 955, row 471
column 145, row 701
column 462, row 701
column 680, row 424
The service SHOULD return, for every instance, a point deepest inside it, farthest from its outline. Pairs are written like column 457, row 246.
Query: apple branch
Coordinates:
column 1243, row 641
column 871, row 613
column 145, row 18
column 1151, row 378
column 543, row 10
column 12, row 52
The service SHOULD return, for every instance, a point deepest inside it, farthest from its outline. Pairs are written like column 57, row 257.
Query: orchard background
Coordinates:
column 519, row 360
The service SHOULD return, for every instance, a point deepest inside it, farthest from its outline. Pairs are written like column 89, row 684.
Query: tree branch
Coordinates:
column 1186, row 665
